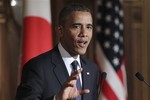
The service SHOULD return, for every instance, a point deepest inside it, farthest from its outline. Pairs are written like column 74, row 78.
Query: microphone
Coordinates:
column 141, row 78
column 103, row 77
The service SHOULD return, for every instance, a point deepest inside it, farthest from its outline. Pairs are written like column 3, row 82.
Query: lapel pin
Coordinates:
column 88, row 73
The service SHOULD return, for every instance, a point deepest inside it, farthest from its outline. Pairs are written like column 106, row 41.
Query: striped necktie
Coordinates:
column 78, row 84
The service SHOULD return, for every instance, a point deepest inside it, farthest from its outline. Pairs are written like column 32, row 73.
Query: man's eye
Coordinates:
column 90, row 27
column 76, row 26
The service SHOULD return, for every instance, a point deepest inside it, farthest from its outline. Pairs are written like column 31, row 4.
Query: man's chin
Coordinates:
column 82, row 52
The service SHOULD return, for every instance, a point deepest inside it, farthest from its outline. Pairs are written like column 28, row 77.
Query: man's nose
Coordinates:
column 83, row 32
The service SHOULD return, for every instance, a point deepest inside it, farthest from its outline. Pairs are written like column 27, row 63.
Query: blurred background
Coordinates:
column 136, row 41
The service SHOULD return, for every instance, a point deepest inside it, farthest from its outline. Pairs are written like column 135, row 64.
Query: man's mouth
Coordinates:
column 82, row 43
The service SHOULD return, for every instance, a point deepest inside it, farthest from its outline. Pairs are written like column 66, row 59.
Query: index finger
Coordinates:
column 76, row 73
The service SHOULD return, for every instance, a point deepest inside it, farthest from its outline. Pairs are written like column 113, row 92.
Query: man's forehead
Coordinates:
column 80, row 14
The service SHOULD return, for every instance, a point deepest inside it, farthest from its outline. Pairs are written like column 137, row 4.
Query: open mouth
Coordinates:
column 82, row 43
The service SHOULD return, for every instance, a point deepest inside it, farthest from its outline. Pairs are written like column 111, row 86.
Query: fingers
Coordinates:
column 71, row 82
column 84, row 91
column 69, row 89
column 76, row 73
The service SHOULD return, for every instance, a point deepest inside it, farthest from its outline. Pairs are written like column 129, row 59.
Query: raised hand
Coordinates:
column 69, row 90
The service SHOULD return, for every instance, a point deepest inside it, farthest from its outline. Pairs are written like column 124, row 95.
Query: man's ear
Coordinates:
column 60, row 30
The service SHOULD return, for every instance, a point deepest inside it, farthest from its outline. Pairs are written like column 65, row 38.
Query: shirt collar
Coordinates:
column 66, row 56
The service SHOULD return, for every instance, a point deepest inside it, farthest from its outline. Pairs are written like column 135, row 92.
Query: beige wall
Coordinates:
column 137, row 47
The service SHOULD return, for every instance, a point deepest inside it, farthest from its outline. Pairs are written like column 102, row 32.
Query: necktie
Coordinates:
column 78, row 84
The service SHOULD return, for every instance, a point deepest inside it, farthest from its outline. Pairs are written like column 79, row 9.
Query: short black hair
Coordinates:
column 69, row 9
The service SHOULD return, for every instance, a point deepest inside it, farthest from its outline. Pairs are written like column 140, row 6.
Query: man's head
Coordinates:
column 75, row 28
column 69, row 9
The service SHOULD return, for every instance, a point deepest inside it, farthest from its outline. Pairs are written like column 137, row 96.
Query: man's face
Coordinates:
column 76, row 32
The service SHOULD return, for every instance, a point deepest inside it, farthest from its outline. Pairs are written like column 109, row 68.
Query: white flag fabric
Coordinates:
column 109, row 52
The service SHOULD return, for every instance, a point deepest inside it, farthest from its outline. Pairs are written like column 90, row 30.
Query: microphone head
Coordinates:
column 139, row 76
column 103, row 75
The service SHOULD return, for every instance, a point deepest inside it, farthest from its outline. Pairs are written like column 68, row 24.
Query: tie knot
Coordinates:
column 74, row 65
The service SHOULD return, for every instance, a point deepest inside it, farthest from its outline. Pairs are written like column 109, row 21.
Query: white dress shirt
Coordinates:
column 68, row 59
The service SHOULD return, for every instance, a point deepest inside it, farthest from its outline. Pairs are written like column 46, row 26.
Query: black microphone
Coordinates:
column 141, row 78
column 103, row 77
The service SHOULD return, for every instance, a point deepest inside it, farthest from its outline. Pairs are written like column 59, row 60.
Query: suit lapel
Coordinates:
column 59, row 70
column 85, row 76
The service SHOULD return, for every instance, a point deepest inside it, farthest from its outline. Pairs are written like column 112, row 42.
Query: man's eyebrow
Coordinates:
column 81, row 24
column 89, row 24
column 76, row 24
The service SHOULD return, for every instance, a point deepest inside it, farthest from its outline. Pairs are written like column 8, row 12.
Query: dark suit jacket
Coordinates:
column 44, row 76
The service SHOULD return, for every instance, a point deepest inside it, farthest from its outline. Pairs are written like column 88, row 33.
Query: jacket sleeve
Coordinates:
column 32, row 83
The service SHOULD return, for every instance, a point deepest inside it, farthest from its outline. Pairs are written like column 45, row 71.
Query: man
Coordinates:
column 52, row 75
